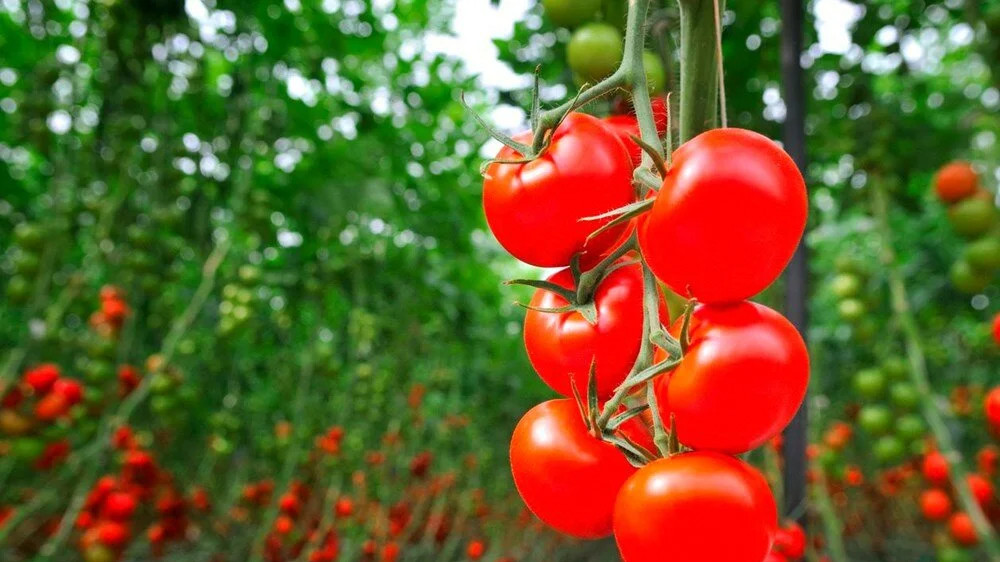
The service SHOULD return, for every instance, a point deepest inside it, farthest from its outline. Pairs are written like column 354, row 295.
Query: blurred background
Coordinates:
column 245, row 241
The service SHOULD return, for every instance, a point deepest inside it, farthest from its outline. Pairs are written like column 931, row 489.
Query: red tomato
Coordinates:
column 955, row 181
column 568, row 478
column 935, row 468
column 70, row 389
column 935, row 505
column 51, row 406
column 112, row 534
column 534, row 209
column 674, row 508
column 42, row 377
column 563, row 344
column 775, row 557
column 982, row 489
column 118, row 506
column 987, row 459
column 728, row 217
column 791, row 541
column 996, row 328
column 623, row 126
column 992, row 407
column 742, row 380
column 962, row 530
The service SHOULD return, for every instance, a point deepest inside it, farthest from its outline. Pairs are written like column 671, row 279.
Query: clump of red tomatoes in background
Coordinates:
column 972, row 214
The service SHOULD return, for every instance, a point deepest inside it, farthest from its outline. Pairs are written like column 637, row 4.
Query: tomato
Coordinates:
column 741, row 381
column 656, row 77
column 988, row 459
column 42, row 378
column 996, row 329
column 888, row 449
column 992, row 407
column 869, row 383
column 983, row 254
column 846, row 285
column 571, row 13
column 594, row 52
column 910, row 427
column 568, row 478
column 935, row 505
column 851, row 310
column 728, row 217
column 875, row 419
column 972, row 217
column 534, row 209
column 967, row 279
column 561, row 345
column 51, row 406
column 475, row 550
column 70, row 389
column 904, row 395
column 982, row 489
column 955, row 181
column 791, row 541
column 775, row 557
column 962, row 530
column 118, row 506
column 624, row 126
column 935, row 468
column 674, row 509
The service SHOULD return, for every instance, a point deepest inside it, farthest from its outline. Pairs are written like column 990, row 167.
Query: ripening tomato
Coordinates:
column 962, row 530
column 568, row 478
column 51, row 406
column 790, row 540
column 741, row 381
column 935, row 468
column 955, row 181
column 561, row 345
column 728, row 217
column 534, row 209
column 982, row 489
column 992, row 407
column 935, row 505
column 674, row 509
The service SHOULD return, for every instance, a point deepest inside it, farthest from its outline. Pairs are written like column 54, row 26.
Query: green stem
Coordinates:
column 918, row 374
column 831, row 523
column 699, row 80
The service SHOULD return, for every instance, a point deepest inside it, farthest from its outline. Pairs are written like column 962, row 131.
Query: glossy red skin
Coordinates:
column 698, row 506
column 565, row 476
column 623, row 126
column 790, row 541
column 534, row 209
column 982, row 489
column 564, row 344
column 728, row 217
column 935, row 505
column 935, row 468
column 991, row 405
column 962, row 530
column 996, row 329
column 741, row 381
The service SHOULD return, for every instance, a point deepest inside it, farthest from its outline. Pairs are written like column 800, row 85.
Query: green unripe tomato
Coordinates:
column 983, row 254
column 162, row 403
column 972, row 217
column 895, row 367
column 967, row 279
column 99, row 553
column 18, row 289
column 29, row 236
column 953, row 554
column 889, row 449
column 656, row 77
column 875, row 419
column 869, row 383
column 26, row 448
column 904, row 395
column 160, row 383
column 910, row 427
column 851, row 309
column 570, row 13
column 595, row 51
column 846, row 263
column 845, row 285
column 918, row 448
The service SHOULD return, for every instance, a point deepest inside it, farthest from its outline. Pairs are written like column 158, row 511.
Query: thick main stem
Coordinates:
column 699, row 78
column 918, row 375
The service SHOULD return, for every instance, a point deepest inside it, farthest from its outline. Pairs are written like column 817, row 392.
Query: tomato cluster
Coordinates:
column 725, row 376
column 972, row 214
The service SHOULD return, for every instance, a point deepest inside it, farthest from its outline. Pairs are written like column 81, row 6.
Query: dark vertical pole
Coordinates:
column 798, row 271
